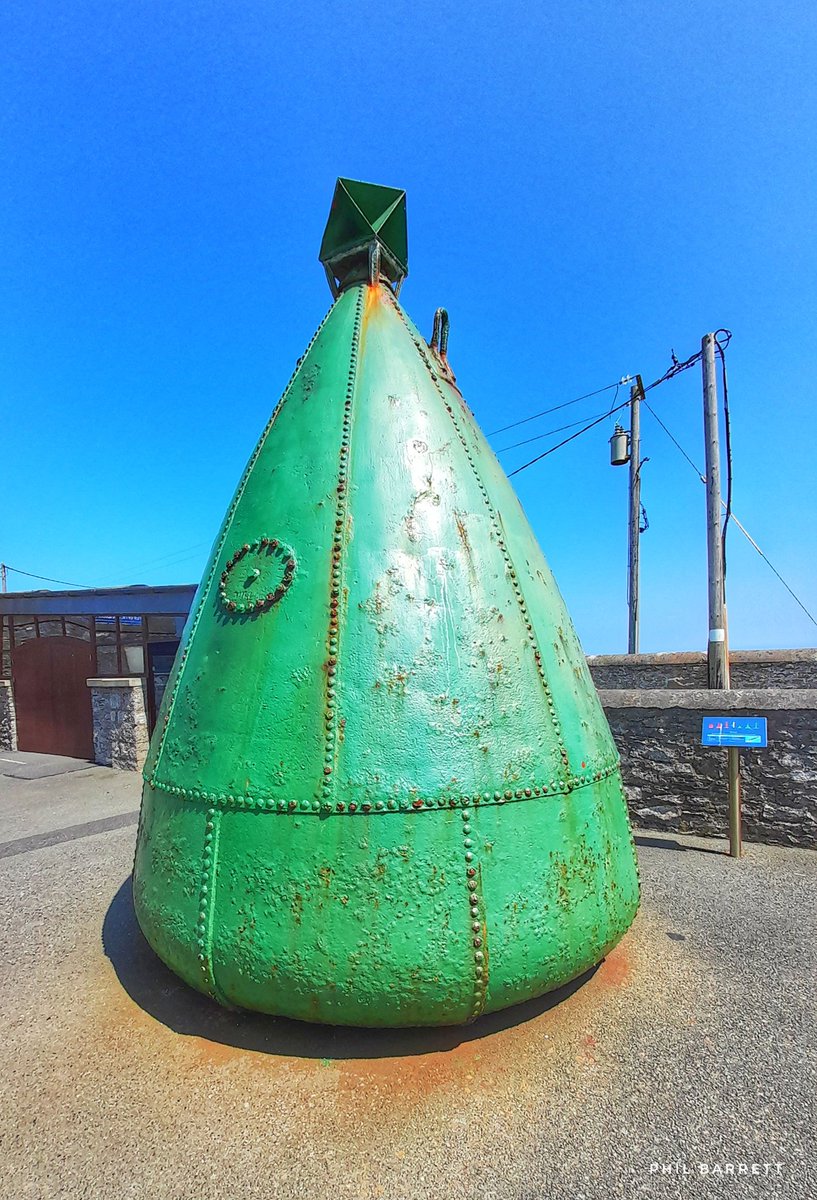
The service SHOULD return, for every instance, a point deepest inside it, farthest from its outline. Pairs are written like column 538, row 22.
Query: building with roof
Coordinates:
column 82, row 672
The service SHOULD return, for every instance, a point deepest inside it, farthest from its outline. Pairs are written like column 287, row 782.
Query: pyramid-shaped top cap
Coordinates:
column 363, row 214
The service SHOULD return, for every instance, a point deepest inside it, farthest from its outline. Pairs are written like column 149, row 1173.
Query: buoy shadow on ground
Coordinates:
column 163, row 996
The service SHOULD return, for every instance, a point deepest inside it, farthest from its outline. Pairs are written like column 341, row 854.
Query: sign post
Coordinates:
column 735, row 812
column 734, row 733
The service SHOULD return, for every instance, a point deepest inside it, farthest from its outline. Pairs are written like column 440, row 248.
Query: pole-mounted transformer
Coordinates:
column 619, row 447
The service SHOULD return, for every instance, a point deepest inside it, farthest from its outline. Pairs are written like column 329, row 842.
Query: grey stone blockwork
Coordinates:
column 120, row 723
column 8, row 718
column 674, row 783
column 749, row 669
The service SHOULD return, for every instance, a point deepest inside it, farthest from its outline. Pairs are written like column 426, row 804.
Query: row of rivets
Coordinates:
column 499, row 532
column 205, row 590
column 403, row 804
column 205, row 901
column 477, row 925
column 331, row 720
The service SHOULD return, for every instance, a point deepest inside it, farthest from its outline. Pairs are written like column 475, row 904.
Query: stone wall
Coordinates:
column 8, row 717
column 120, row 723
column 674, row 783
column 749, row 669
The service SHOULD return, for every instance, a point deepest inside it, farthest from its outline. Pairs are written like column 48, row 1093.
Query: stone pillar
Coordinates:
column 8, row 716
column 120, row 723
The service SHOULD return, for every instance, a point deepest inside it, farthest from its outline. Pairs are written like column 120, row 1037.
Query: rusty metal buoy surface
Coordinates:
column 381, row 789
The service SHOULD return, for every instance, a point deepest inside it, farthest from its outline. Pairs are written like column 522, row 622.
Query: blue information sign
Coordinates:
column 743, row 732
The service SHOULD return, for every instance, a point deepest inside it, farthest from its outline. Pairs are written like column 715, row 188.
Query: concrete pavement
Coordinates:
column 681, row 1067
column 28, row 764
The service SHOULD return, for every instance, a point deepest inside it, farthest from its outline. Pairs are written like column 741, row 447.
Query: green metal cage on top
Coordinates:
column 381, row 790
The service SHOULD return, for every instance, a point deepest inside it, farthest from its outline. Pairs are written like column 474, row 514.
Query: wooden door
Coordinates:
column 51, row 695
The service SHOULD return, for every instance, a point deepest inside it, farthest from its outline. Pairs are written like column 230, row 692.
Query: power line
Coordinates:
column 572, row 438
column 742, row 529
column 167, row 561
column 676, row 369
column 559, row 428
column 47, row 578
column 675, row 442
column 556, row 407
column 773, row 569
column 549, row 433
column 188, row 551
column 68, row 582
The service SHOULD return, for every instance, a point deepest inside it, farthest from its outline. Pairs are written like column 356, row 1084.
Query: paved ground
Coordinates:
column 692, row 1044
column 25, row 764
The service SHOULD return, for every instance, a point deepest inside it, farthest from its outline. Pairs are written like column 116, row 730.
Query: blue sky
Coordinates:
column 589, row 185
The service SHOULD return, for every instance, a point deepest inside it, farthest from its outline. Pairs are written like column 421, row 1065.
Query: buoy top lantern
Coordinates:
column 363, row 216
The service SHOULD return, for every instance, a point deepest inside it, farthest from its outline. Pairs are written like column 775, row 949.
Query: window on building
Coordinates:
column 121, row 641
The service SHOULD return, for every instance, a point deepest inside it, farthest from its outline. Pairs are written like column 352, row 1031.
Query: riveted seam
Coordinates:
column 206, row 910
column 477, row 920
column 332, row 720
column 411, row 803
column 228, row 521
column 500, row 536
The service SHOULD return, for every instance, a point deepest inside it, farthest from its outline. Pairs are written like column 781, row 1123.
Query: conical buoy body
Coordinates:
column 382, row 790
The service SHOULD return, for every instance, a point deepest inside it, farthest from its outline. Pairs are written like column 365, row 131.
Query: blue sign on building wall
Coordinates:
column 745, row 732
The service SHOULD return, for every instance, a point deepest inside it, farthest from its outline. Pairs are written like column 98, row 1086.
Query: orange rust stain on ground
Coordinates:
column 487, row 1063
column 116, row 1015
column 416, row 1076
column 221, row 1054
column 482, row 1062
column 615, row 970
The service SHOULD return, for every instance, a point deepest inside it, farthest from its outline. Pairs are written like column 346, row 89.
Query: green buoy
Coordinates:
column 381, row 789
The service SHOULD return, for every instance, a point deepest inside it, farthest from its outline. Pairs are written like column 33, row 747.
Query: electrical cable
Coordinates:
column 572, row 437
column 615, row 396
column 676, row 369
column 676, row 443
column 734, row 519
column 570, row 425
column 188, row 551
column 538, row 437
column 47, row 578
column 557, row 407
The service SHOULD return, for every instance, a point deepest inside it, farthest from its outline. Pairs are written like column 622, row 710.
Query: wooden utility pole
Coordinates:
column 717, row 657
column 717, row 646
column 3, row 583
column 636, row 395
